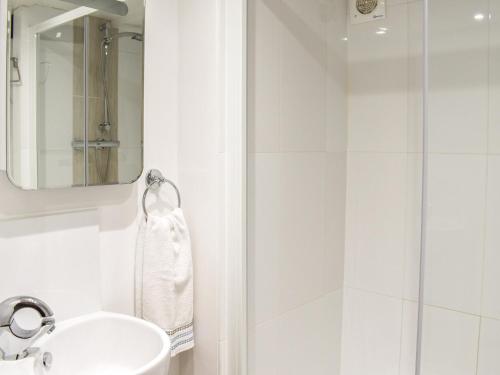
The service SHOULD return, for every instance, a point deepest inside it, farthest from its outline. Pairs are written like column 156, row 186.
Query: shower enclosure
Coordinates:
column 373, row 177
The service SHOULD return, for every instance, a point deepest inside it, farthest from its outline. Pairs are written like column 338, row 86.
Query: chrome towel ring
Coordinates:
column 155, row 179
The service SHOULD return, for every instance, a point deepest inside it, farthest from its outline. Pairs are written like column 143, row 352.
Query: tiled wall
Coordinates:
column 297, row 143
column 383, row 193
column 461, row 315
column 462, row 319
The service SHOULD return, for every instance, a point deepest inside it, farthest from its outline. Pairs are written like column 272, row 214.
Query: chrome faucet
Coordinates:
column 11, row 306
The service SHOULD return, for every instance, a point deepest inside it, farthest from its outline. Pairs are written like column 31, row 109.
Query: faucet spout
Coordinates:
column 9, row 307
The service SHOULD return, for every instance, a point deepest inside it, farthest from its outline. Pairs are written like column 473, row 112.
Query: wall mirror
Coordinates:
column 74, row 92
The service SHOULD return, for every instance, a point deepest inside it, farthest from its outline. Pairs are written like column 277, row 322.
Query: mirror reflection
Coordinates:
column 75, row 111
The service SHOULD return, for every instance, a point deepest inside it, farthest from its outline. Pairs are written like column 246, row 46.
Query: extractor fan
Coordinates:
column 367, row 10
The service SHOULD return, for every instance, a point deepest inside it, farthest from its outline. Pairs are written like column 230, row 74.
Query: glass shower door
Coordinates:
column 461, row 295
column 60, row 103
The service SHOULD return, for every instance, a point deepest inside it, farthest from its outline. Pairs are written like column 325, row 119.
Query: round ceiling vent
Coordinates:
column 366, row 6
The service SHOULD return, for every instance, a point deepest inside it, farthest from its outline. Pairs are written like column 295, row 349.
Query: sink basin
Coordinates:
column 99, row 344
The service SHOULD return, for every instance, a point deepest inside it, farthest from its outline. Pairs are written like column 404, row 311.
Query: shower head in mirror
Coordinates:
column 117, row 7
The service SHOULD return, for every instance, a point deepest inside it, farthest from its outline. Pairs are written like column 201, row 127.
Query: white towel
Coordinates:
column 164, row 277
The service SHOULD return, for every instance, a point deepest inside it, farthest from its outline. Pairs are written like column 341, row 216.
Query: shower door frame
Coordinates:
column 233, row 36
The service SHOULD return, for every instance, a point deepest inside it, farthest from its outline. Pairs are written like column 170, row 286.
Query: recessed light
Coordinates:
column 479, row 16
column 58, row 34
column 381, row 32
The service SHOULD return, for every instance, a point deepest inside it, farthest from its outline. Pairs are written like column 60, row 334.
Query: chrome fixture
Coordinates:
column 47, row 360
column 106, row 42
column 119, row 8
column 99, row 144
column 106, row 125
column 155, row 179
column 11, row 306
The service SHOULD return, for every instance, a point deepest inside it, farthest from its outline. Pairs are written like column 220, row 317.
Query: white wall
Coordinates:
column 181, row 138
column 383, row 193
column 201, row 169
column 461, row 316
column 296, row 184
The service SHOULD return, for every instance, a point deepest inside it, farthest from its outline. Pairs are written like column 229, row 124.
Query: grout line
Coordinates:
column 478, row 343
column 408, row 300
column 298, row 307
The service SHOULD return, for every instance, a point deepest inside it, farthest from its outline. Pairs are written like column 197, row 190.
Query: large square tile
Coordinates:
column 409, row 338
column 301, row 341
column 455, row 231
column 375, row 220
column 335, row 220
column 489, row 347
column 371, row 334
column 450, row 342
column 413, row 226
column 494, row 79
column 55, row 258
column 264, row 77
column 304, row 88
column 491, row 279
column 337, row 76
column 378, row 83
column 287, row 241
column 458, row 77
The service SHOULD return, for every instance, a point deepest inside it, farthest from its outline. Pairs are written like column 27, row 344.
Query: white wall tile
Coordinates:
column 454, row 255
column 450, row 342
column 303, row 87
column 302, row 341
column 413, row 220
column 55, row 258
column 409, row 338
column 311, row 14
column 117, row 238
column 491, row 279
column 489, row 347
column 378, row 83
column 264, row 71
column 286, row 231
column 310, row 337
column 335, row 201
column 262, row 353
column 494, row 79
column 337, row 76
column 458, row 63
column 371, row 335
column 415, row 75
column 375, row 234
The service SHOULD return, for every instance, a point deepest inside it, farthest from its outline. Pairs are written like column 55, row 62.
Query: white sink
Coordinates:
column 99, row 344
